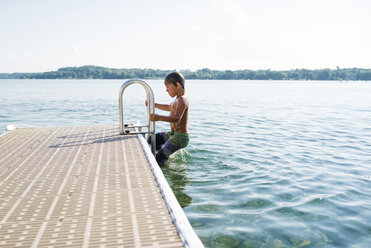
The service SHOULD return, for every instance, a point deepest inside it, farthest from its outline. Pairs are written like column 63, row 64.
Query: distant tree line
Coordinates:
column 96, row 72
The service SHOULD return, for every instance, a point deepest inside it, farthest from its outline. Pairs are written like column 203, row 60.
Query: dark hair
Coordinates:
column 175, row 77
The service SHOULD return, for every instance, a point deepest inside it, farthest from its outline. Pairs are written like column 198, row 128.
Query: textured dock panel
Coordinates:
column 79, row 186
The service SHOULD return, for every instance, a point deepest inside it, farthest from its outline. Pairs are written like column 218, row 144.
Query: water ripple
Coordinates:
column 270, row 164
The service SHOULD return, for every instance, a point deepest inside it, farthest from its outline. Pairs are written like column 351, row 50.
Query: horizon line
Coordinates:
column 192, row 70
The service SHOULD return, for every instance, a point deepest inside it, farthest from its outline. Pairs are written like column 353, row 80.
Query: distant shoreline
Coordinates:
column 97, row 72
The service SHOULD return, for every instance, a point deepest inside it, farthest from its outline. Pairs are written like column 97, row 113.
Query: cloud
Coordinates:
column 192, row 27
column 70, row 52
column 8, row 56
column 75, row 50
column 27, row 54
column 15, row 57
column 231, row 10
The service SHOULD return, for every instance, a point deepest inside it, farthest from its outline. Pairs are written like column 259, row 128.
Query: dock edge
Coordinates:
column 181, row 222
column 12, row 127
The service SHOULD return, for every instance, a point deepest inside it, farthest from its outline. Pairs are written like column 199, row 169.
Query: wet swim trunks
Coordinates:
column 167, row 143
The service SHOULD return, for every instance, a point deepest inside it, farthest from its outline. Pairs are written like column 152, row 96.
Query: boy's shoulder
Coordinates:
column 183, row 98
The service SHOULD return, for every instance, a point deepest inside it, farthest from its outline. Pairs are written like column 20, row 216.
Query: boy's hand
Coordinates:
column 153, row 117
column 146, row 103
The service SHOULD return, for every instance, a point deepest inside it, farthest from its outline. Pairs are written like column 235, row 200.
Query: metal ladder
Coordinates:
column 150, row 110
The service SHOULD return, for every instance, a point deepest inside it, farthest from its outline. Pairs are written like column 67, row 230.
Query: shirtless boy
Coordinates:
column 169, row 142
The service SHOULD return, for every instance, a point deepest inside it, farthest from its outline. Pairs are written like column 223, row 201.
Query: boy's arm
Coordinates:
column 177, row 116
column 165, row 107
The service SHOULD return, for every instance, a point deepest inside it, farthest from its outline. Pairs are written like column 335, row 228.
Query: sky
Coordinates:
column 42, row 35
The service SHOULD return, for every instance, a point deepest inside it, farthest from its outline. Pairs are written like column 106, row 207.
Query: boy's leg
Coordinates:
column 174, row 142
column 163, row 155
column 160, row 140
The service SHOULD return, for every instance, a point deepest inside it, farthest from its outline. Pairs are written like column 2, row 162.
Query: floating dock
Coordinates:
column 86, row 187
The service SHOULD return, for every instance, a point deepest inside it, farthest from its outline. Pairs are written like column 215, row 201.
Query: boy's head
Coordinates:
column 174, row 78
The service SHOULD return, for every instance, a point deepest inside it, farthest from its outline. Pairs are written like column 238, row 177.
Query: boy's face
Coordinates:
column 171, row 89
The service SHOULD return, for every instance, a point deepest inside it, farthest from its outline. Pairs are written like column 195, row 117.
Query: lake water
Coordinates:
column 270, row 163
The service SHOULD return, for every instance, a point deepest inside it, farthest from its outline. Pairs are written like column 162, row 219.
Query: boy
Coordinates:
column 169, row 142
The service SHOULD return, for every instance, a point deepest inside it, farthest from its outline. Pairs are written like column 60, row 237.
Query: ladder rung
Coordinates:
column 132, row 126
column 131, row 132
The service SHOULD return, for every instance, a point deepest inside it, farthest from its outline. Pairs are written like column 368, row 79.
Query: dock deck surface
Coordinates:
column 81, row 187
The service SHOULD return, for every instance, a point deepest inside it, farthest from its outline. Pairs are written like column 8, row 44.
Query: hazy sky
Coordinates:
column 41, row 35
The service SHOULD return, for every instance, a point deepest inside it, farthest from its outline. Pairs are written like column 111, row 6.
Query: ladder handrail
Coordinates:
column 150, row 109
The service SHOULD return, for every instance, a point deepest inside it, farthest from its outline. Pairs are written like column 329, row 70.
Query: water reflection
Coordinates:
column 175, row 173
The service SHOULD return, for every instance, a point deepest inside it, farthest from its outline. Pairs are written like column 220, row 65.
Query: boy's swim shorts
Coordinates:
column 167, row 143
